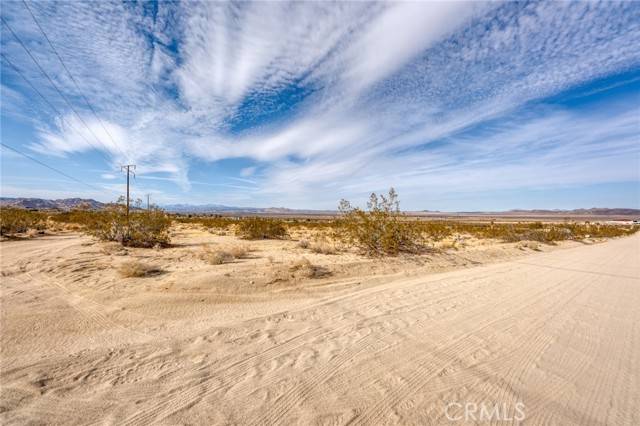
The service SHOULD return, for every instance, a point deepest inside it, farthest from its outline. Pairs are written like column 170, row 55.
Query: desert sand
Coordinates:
column 393, row 341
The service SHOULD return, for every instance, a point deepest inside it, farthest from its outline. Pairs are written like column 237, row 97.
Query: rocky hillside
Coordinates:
column 43, row 204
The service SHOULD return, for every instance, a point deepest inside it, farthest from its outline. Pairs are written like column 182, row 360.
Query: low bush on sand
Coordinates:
column 135, row 269
column 546, row 233
column 208, row 222
column 380, row 229
column 303, row 268
column 17, row 221
column 303, row 244
column 258, row 228
column 141, row 228
column 239, row 252
column 146, row 228
column 218, row 256
column 323, row 247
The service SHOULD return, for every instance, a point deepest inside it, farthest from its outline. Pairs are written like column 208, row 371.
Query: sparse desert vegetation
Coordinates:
column 380, row 230
column 141, row 228
column 137, row 269
column 303, row 267
column 218, row 256
column 15, row 221
column 213, row 301
column 323, row 246
column 260, row 228
column 145, row 228
column 314, row 292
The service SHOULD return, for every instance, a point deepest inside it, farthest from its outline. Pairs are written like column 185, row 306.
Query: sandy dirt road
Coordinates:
column 557, row 333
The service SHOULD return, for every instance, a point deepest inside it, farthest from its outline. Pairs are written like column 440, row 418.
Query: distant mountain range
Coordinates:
column 218, row 208
column 72, row 203
column 43, row 204
column 595, row 211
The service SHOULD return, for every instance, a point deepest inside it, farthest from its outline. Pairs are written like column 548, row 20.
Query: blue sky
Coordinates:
column 459, row 106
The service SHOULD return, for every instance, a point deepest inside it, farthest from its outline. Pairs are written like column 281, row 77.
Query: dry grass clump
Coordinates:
column 323, row 247
column 532, row 245
column 303, row 244
column 320, row 246
column 113, row 249
column 258, row 228
column 299, row 269
column 218, row 257
column 380, row 230
column 136, row 269
column 239, row 252
column 305, row 269
column 18, row 221
column 448, row 245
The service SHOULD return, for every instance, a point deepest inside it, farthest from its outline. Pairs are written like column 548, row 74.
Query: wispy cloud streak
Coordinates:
column 323, row 99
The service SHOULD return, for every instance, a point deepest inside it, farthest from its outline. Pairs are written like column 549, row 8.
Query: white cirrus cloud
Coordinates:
column 329, row 96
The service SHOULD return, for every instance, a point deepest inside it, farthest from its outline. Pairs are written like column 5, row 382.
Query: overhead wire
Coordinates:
column 50, row 167
column 26, row 49
column 35, row 89
column 55, row 51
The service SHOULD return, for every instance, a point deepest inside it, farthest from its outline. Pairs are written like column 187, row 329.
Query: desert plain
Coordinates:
column 282, row 334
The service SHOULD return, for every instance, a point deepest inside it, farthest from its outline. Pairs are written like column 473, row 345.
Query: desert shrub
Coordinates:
column 436, row 231
column 134, row 269
column 311, row 224
column 380, row 230
column 258, row 228
column 590, row 230
column 16, row 221
column 76, row 217
column 546, row 233
column 305, row 269
column 239, row 252
column 303, row 244
column 533, row 245
column 208, row 222
column 218, row 257
column 323, row 247
column 146, row 228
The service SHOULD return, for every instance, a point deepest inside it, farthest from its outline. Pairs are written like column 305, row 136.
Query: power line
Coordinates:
column 74, row 80
column 55, row 51
column 50, row 167
column 26, row 49
column 55, row 110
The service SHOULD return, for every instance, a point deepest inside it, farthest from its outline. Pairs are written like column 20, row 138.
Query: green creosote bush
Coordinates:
column 380, row 229
column 258, row 228
column 18, row 221
column 142, row 228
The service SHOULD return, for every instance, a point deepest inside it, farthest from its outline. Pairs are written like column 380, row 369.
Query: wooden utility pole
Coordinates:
column 129, row 168
column 148, row 202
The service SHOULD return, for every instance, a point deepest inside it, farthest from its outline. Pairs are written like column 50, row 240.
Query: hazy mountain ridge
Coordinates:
column 71, row 203
column 219, row 208
column 594, row 211
column 44, row 204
